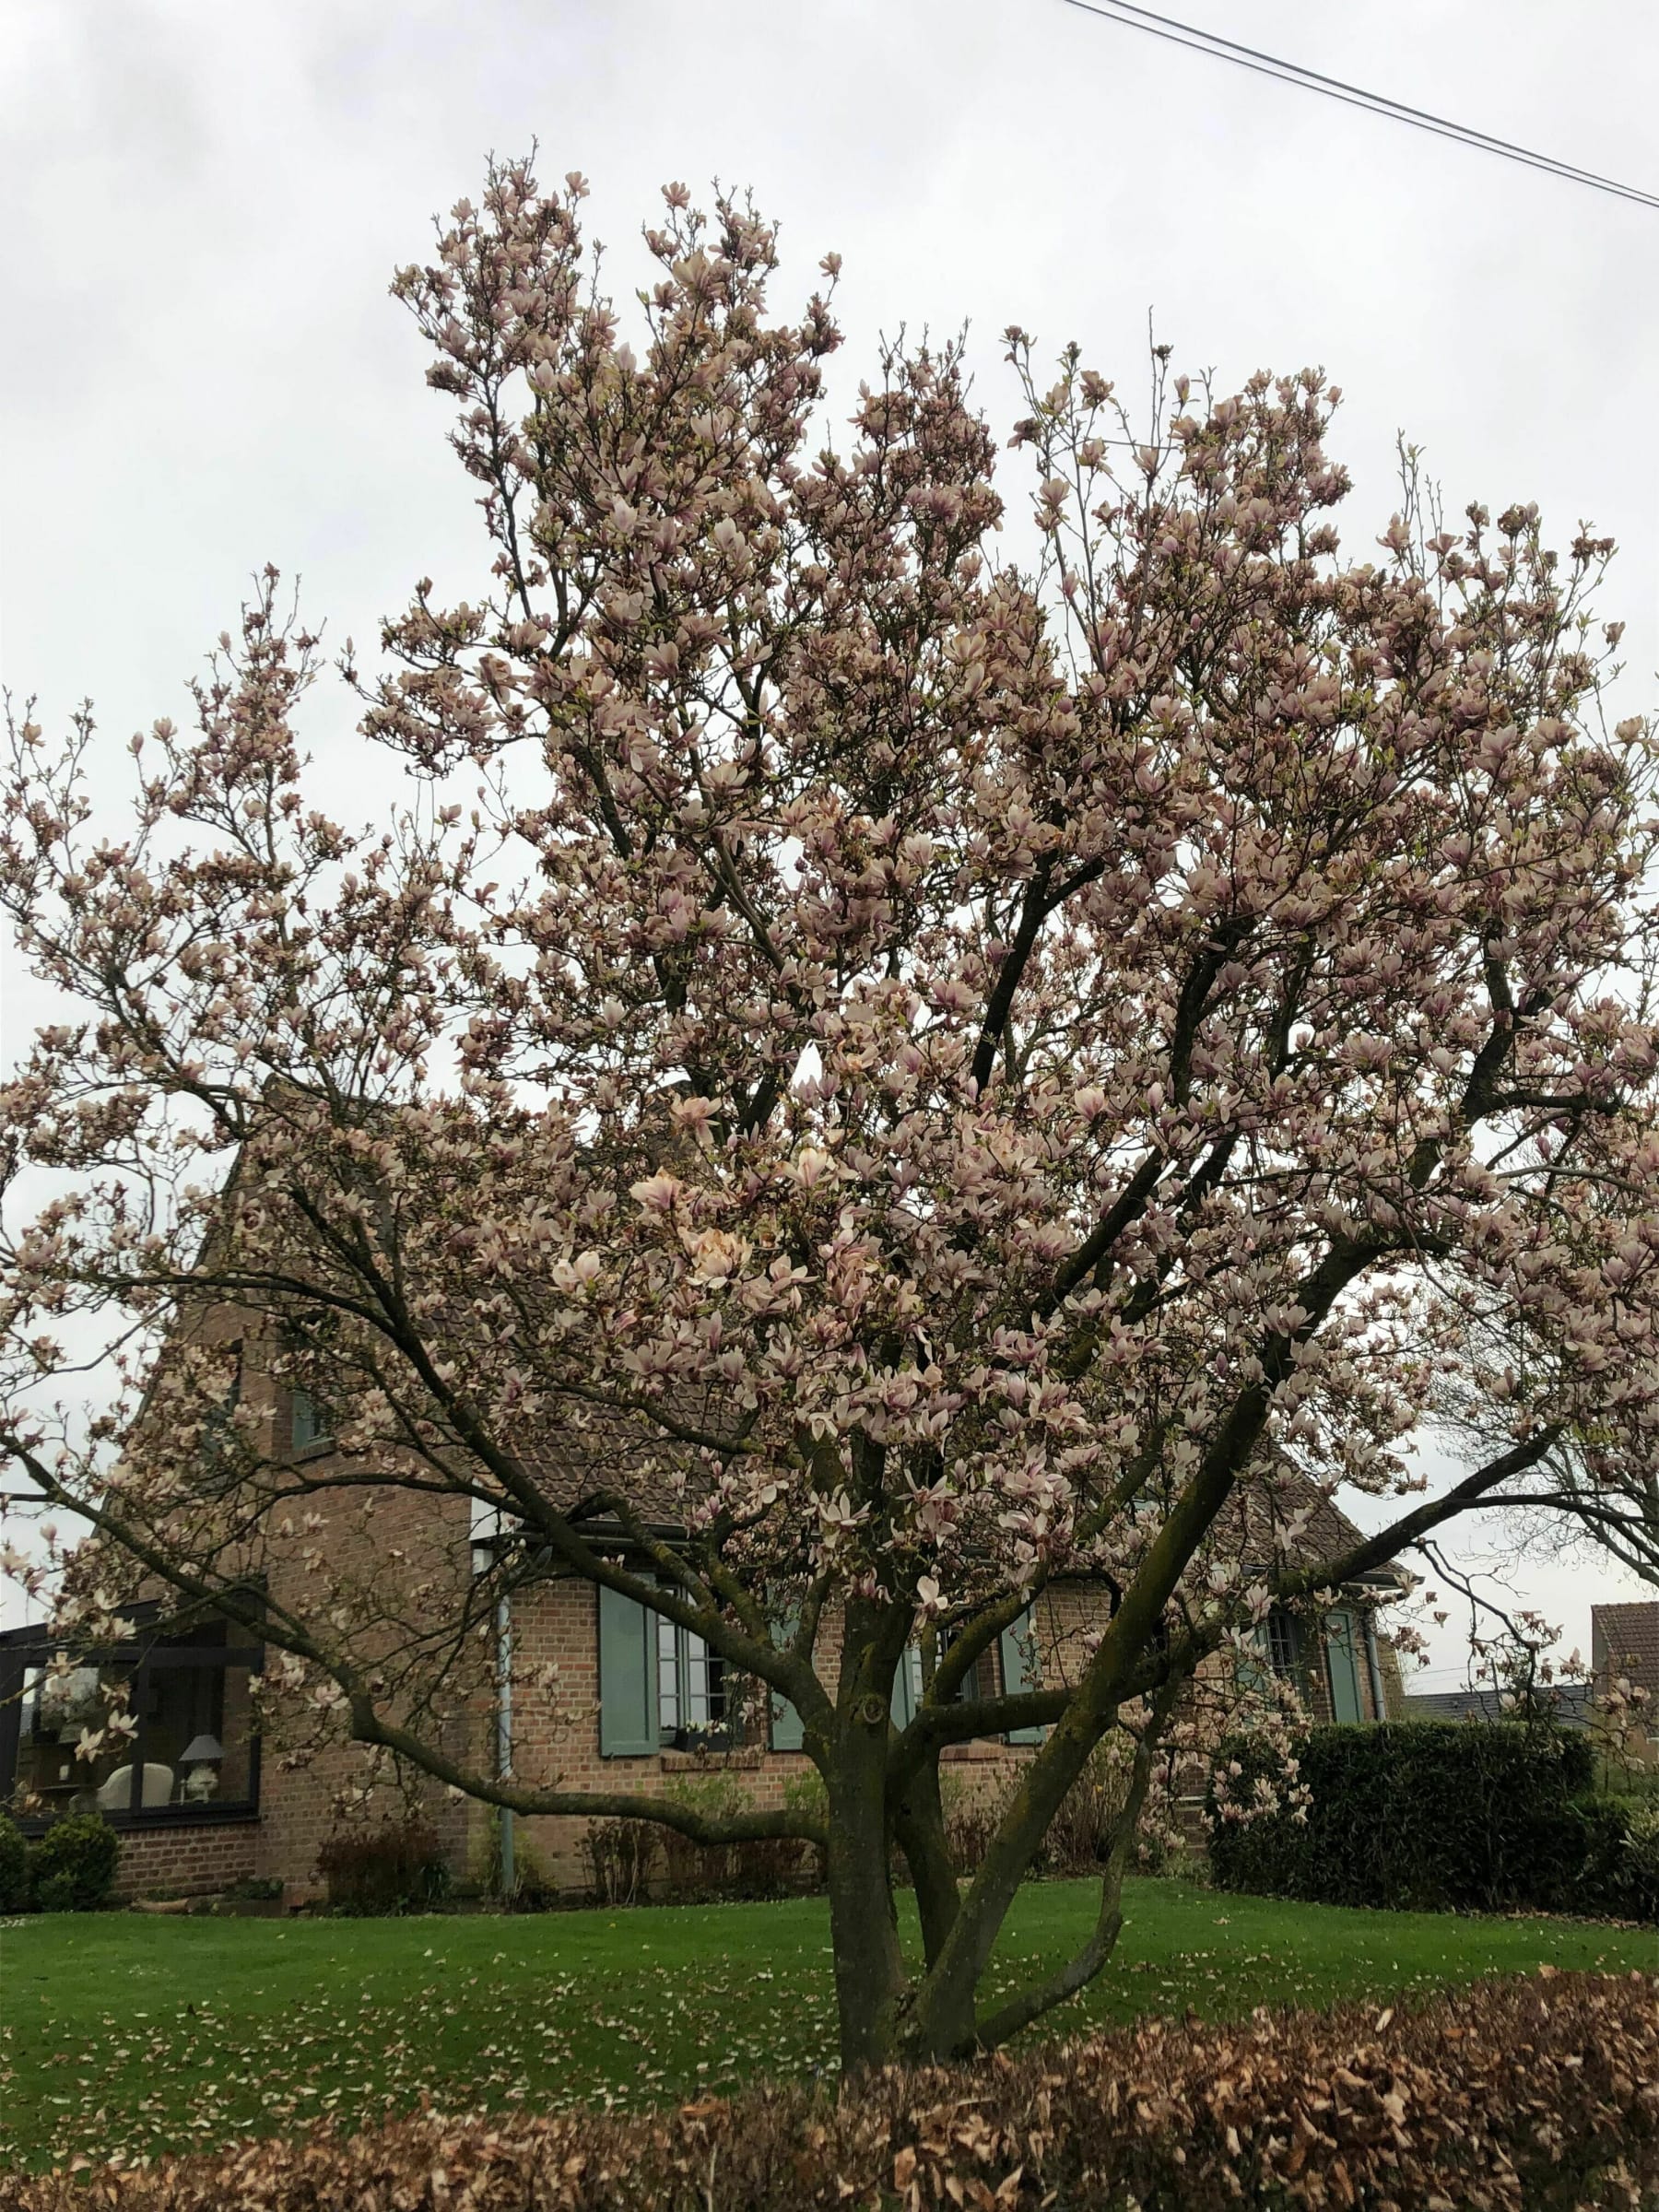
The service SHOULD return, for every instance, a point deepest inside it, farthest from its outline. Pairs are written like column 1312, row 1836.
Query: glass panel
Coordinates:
column 969, row 1688
column 312, row 1423
column 704, row 1684
column 1343, row 1667
column 197, row 1735
column 221, row 1465
column 1250, row 1673
column 697, row 1682
column 1284, row 1644
column 668, row 1697
column 56, row 1706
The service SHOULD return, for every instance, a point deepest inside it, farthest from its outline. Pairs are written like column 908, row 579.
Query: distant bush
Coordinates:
column 397, row 1867
column 72, row 1868
column 1429, row 1815
column 1534, row 2094
column 14, row 1867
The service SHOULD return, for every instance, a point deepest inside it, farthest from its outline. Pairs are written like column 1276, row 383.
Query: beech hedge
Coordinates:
column 1434, row 1816
column 1524, row 2096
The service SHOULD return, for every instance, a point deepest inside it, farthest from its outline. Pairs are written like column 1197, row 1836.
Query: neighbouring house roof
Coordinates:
column 1570, row 1700
column 1624, row 1639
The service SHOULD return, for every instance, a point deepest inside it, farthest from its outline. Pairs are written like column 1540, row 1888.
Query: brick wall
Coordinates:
column 192, row 1860
column 556, row 1727
column 556, row 1730
column 418, row 1551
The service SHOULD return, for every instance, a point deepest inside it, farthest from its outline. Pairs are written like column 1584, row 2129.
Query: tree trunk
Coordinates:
column 946, row 2021
column 870, row 1980
column 919, row 1823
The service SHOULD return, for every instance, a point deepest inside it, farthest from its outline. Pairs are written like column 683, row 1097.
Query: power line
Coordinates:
column 1131, row 17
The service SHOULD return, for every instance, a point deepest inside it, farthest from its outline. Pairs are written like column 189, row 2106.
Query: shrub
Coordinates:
column 397, row 1867
column 702, row 1870
column 534, row 1889
column 1424, row 1815
column 1420, row 2108
column 1620, row 1872
column 14, row 1867
column 806, row 1794
column 1080, row 1836
column 769, row 1867
column 764, row 1867
column 620, row 1855
column 72, row 1868
column 971, row 1821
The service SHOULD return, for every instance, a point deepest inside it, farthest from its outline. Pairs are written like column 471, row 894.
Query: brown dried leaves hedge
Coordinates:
column 1527, row 2094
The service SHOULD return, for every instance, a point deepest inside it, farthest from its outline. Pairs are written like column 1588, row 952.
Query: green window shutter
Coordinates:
column 788, row 1729
column 1344, row 1664
column 628, row 1704
column 1021, row 1671
column 907, row 1686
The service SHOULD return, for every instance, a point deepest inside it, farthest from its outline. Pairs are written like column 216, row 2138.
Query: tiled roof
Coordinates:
column 1624, row 1639
column 1570, row 1700
column 611, row 1452
column 1259, row 1514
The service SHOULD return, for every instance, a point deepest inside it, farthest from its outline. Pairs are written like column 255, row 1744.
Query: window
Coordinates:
column 788, row 1731
column 186, row 1745
column 1022, row 1670
column 692, row 1700
column 221, row 1458
column 907, row 1686
column 310, row 1421
column 1342, row 1663
column 659, row 1685
column 1275, row 1649
column 54, row 1707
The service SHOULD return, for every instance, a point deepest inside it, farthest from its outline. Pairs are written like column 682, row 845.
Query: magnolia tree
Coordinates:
column 950, row 1072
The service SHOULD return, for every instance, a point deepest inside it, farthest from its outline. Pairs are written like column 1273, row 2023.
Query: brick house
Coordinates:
column 581, row 1685
column 1624, row 1642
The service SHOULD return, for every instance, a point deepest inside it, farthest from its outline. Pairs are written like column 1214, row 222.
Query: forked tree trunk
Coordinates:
column 870, row 1981
column 945, row 2022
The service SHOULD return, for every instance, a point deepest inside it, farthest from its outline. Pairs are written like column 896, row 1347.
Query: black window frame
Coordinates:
column 33, row 1645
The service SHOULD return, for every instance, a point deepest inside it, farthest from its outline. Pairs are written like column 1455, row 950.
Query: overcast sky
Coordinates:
column 203, row 372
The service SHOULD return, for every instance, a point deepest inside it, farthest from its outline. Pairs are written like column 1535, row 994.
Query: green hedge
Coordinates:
column 14, row 1867
column 71, row 1870
column 1436, row 1816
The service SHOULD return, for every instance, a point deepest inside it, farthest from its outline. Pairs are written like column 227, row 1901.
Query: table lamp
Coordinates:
column 202, row 1754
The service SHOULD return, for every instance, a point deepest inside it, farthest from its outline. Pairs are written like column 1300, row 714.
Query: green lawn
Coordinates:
column 141, row 2034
